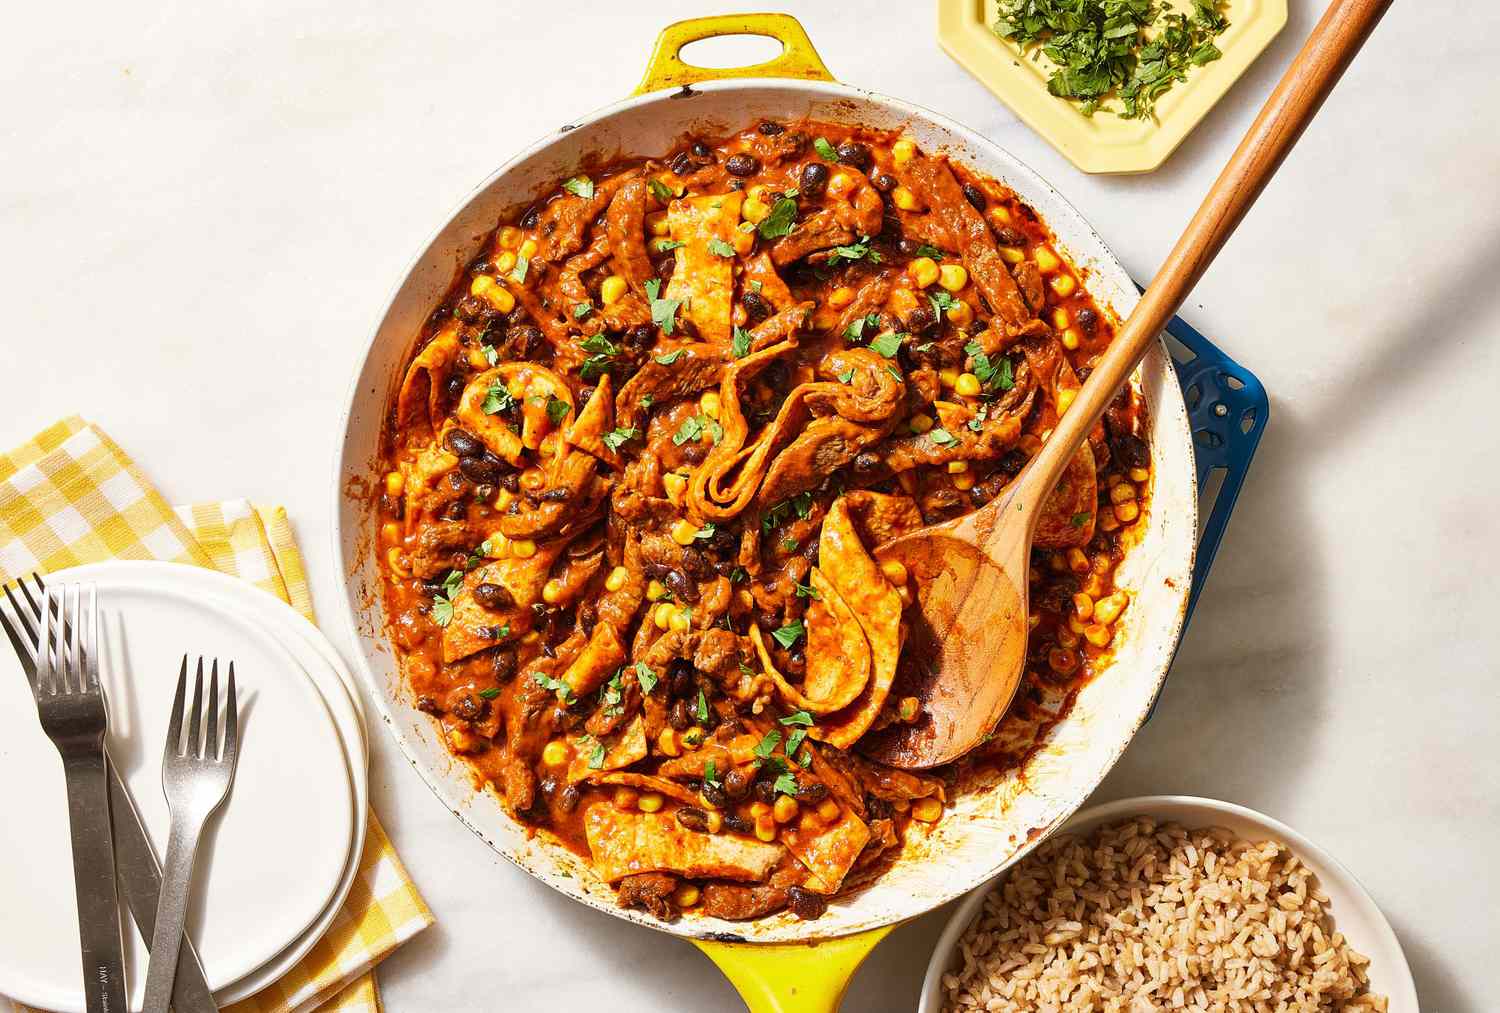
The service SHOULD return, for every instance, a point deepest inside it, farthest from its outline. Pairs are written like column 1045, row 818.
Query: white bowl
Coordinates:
column 1354, row 912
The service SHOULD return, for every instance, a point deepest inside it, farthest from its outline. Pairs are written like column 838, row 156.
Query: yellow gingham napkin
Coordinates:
column 71, row 496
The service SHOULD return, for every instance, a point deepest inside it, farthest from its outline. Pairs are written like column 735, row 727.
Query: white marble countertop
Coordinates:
column 203, row 206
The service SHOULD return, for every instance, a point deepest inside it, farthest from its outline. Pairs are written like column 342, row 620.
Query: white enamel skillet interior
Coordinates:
column 983, row 832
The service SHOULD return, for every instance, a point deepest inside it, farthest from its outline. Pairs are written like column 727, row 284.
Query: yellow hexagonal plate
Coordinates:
column 1104, row 142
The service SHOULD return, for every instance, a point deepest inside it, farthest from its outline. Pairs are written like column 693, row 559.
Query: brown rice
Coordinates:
column 1141, row 916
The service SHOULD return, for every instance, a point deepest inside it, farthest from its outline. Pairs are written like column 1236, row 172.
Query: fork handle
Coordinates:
column 94, row 883
column 171, row 909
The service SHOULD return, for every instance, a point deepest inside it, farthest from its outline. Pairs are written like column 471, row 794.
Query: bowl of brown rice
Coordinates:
column 1170, row 902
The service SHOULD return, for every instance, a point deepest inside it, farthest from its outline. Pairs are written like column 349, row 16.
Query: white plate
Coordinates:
column 1354, row 912
column 281, row 849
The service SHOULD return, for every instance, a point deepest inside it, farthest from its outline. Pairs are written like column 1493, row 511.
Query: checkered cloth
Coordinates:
column 71, row 496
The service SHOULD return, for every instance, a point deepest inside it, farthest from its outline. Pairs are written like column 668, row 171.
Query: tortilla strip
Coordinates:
column 596, row 662
column 830, row 851
column 596, row 419
column 838, row 656
column 422, row 388
column 620, row 750
column 772, row 289
column 876, row 605
column 649, row 782
column 529, row 384
column 523, row 578
column 623, row 844
column 703, row 279
column 625, row 226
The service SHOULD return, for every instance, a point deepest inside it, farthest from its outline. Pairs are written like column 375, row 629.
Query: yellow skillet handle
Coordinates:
column 793, row 977
column 798, row 57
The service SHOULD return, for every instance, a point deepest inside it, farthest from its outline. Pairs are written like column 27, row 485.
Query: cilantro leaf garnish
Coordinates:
column 582, row 309
column 930, row 251
column 663, row 311
column 690, row 429
column 490, row 693
column 786, row 784
column 779, row 222
column 702, row 708
column 711, row 773
column 579, row 186
column 666, row 359
column 807, row 591
column 789, row 634
column 706, row 532
column 491, row 356
column 659, row 190
column 741, row 344
column 1078, row 520
column 563, row 690
column 886, row 344
column 557, row 409
column 846, row 376
column 855, row 251
column 617, row 438
column 719, row 248
column 798, row 718
column 856, row 328
column 826, row 151
column 645, row 678
column 942, row 437
column 498, row 398
column 999, row 375
column 442, row 610
column 518, row 273
column 768, row 744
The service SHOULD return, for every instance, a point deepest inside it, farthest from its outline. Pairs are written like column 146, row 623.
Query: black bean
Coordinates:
column 638, row 338
column 485, row 468
column 693, row 819
column 524, row 340
column 683, row 587
column 765, row 791
column 678, row 717
column 428, row 704
column 484, row 492
column 531, row 217
column 738, row 824
column 588, row 617
column 907, row 247
column 975, row 196
column 681, row 163
column 511, row 481
column 770, row 128
column 455, row 387
column 806, row 904
column 1088, row 320
column 393, row 505
column 456, row 511
column 855, row 154
column 1010, row 237
column 697, row 564
column 463, row 443
column 470, row 707
column 493, row 596
column 878, row 808
column 813, row 180
column 568, row 797
column 680, row 672
column 737, row 783
column 741, row 165
column 503, row 663
column 665, row 267
column 812, row 791
column 469, row 308
column 701, row 150
column 867, row 463
column 883, row 181
column 921, row 319
column 756, row 307
column 715, row 796
column 694, row 451
column 796, row 658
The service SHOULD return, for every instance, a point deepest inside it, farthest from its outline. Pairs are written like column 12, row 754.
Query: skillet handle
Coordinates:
column 797, row 59
column 793, row 977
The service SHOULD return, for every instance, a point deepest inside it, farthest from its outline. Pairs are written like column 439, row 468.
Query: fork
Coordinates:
column 70, row 704
column 138, row 873
column 196, row 782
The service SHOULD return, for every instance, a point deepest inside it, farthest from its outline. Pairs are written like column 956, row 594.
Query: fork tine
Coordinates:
column 26, row 619
column 211, row 730
column 174, row 726
column 231, row 722
column 68, row 657
column 91, row 645
column 22, row 645
column 197, row 716
column 44, row 656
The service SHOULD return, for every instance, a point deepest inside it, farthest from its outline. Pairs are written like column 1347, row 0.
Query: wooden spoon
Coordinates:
column 967, row 640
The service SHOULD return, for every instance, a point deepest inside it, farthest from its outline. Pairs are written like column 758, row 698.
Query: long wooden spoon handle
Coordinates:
column 1307, row 82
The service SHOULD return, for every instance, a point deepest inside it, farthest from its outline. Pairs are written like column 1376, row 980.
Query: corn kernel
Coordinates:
column 1108, row 609
column 681, row 620
column 907, row 709
column 612, row 290
column 928, row 810
column 715, row 822
column 948, row 376
column 390, row 531
column 903, row 151
column 920, row 424
column 625, row 798
column 894, row 571
column 676, row 485
column 555, row 753
column 754, row 210
column 510, row 237
column 1065, row 399
column 924, row 271
column 528, row 249
column 533, row 480
column 953, row 277
column 1122, row 493
column 840, row 184
column 1126, row 512
column 1107, row 521
column 1000, row 216
column 1098, row 635
column 765, row 829
column 1060, row 318
column 904, row 199
column 756, row 192
column 1012, row 254
column 901, row 302
column 785, row 810
column 1064, row 285
column 963, row 483
column 759, row 809
column 968, row 385
column 1046, row 259
column 960, row 313
column 497, row 295
column 684, row 531
column 828, row 810
column 666, row 743
column 1077, row 561
column 841, row 297
column 462, row 740
column 710, row 404
column 662, row 615
column 649, row 802
column 477, row 360
column 693, row 737
column 656, row 223
column 523, row 548
column 686, row 895
column 616, row 579
column 1063, row 660
column 957, row 467
column 1071, row 339
column 396, row 560
column 550, row 445
column 505, row 262
column 552, row 591
column 655, row 590
column 395, row 482
column 1139, row 474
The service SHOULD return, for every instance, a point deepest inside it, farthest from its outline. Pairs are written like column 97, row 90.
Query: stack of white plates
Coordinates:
column 277, row 863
